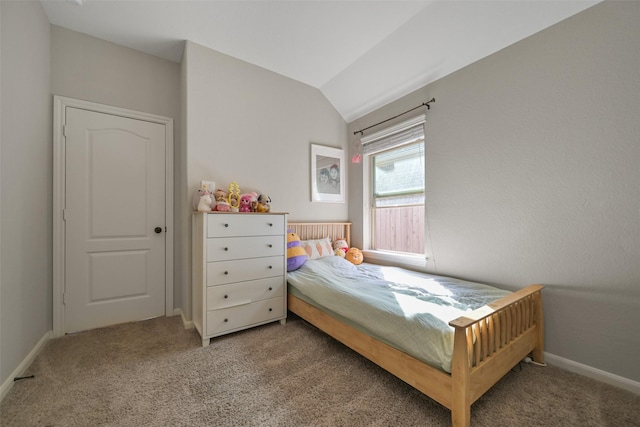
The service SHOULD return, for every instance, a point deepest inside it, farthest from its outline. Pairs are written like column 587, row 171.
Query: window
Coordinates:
column 398, row 176
column 396, row 159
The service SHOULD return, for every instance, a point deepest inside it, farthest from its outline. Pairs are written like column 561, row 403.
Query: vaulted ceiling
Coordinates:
column 360, row 54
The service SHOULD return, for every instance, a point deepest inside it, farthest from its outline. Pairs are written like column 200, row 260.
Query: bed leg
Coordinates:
column 538, row 351
column 461, row 418
column 461, row 400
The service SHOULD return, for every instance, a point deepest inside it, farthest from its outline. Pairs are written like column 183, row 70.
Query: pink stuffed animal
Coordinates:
column 245, row 201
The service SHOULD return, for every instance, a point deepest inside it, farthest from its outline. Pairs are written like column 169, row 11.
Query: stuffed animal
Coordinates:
column 220, row 197
column 354, row 255
column 205, row 203
column 339, row 252
column 264, row 203
column 341, row 244
column 234, row 202
column 296, row 255
column 196, row 197
column 245, row 201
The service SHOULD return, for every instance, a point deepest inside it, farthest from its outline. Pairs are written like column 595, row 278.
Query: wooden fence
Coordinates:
column 399, row 229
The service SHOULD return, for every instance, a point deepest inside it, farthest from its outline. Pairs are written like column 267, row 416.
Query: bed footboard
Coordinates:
column 491, row 341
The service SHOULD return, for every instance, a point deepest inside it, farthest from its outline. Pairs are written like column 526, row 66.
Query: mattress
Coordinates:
column 407, row 310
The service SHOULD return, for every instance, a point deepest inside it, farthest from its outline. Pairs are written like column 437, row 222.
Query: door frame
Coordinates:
column 60, row 103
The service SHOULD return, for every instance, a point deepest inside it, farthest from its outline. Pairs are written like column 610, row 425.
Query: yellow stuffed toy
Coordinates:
column 354, row 255
column 296, row 255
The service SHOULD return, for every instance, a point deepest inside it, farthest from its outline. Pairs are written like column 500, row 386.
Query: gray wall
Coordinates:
column 255, row 127
column 88, row 68
column 533, row 176
column 26, row 170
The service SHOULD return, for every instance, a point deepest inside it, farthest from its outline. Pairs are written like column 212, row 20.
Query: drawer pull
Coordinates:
column 270, row 245
column 226, row 273
column 226, row 320
column 270, row 309
column 270, row 267
column 226, row 296
column 226, row 249
column 270, row 224
column 226, row 225
column 270, row 288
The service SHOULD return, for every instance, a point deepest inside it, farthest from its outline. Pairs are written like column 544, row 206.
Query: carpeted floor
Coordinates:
column 155, row 373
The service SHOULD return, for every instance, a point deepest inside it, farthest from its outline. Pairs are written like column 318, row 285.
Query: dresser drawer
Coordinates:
column 222, row 272
column 245, row 224
column 225, row 296
column 227, row 248
column 242, row 316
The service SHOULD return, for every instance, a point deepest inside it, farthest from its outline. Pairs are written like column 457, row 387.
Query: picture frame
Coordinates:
column 327, row 174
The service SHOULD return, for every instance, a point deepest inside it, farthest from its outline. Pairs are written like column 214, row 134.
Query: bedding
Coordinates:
column 407, row 310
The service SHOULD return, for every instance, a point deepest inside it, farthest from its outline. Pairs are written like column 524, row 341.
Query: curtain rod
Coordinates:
column 395, row 117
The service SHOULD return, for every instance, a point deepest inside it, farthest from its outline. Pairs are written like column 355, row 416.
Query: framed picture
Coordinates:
column 327, row 174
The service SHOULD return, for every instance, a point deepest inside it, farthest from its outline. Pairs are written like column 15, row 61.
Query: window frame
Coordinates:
column 385, row 256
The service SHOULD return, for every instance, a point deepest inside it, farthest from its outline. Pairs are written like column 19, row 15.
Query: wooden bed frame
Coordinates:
column 505, row 332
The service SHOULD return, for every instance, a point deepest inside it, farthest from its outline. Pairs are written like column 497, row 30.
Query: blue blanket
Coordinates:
column 408, row 310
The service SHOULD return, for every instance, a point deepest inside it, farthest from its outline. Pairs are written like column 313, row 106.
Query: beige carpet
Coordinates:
column 155, row 373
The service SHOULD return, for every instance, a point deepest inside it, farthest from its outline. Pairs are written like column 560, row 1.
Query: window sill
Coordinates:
column 391, row 258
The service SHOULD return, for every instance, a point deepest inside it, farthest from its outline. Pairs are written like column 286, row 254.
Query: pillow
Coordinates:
column 318, row 248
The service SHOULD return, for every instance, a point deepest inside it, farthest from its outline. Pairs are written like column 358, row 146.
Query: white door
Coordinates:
column 114, row 220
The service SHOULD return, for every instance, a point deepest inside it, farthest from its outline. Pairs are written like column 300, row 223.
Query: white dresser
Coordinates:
column 239, row 271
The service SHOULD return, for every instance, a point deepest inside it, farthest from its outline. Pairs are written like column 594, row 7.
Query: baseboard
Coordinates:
column 22, row 367
column 188, row 324
column 596, row 374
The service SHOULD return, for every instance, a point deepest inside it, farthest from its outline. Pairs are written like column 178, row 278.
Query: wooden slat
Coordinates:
column 484, row 345
column 476, row 344
column 470, row 348
column 492, row 333
column 316, row 230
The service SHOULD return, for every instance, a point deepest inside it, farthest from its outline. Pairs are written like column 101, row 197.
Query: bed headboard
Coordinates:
column 318, row 230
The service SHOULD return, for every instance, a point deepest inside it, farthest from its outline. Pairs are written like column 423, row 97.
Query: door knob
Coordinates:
column 158, row 230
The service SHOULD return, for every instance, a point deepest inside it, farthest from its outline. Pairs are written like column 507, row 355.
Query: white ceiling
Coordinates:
column 360, row 54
